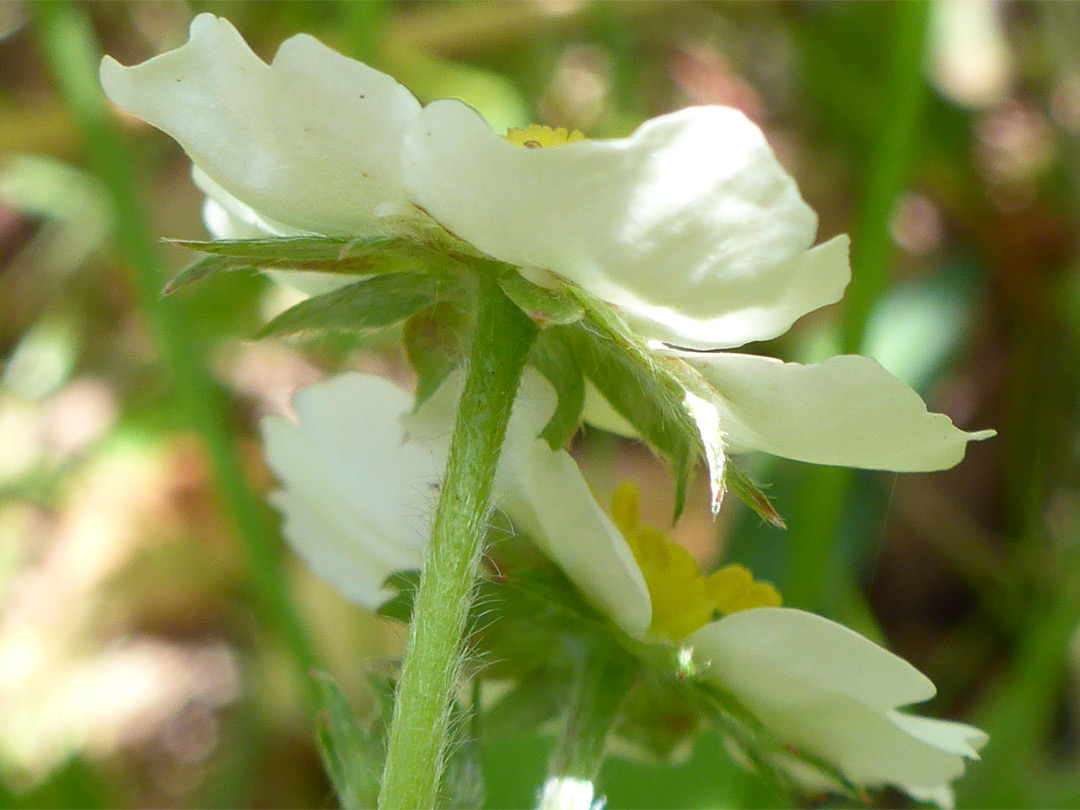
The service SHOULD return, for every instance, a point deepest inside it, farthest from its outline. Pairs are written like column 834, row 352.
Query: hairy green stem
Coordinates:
column 69, row 45
column 605, row 672
column 420, row 728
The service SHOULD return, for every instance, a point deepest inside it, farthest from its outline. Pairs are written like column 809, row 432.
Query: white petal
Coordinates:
column 348, row 559
column 847, row 411
column 600, row 413
column 941, row 795
column 690, row 225
column 544, row 493
column 311, row 141
column 224, row 225
column 244, row 222
column 357, row 500
column 568, row 793
column 827, row 690
column 957, row 738
column 812, row 280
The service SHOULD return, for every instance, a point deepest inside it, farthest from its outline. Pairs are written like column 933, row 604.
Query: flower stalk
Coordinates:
column 605, row 673
column 420, row 728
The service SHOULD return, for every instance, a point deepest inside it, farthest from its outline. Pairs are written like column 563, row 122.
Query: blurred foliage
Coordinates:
column 145, row 651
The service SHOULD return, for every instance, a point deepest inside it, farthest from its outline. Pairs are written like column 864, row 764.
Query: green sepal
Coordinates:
column 285, row 248
column 554, row 359
column 373, row 303
column 703, row 402
column 352, row 757
column 751, row 494
column 331, row 249
column 657, row 719
column 205, row 267
column 666, row 400
column 359, row 256
column 639, row 388
column 436, row 341
column 545, row 306
column 399, row 606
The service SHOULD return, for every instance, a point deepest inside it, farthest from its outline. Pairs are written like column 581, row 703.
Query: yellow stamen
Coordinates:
column 541, row 137
column 683, row 600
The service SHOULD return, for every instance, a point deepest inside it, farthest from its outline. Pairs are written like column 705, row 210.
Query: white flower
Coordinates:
column 689, row 227
column 356, row 501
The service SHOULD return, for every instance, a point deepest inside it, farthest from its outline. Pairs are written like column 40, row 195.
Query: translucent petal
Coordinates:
column 357, row 500
column 242, row 221
column 310, row 141
column 847, row 411
column 689, row 225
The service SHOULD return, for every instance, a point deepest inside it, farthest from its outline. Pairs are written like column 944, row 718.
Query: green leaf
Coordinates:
column 353, row 759
column 554, row 359
column 436, row 340
column 373, row 303
column 546, row 307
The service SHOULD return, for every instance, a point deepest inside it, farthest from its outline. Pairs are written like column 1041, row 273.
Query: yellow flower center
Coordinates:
column 541, row 137
column 683, row 600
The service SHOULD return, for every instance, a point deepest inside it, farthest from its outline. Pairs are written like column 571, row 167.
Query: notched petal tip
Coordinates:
column 310, row 140
column 847, row 411
column 828, row 691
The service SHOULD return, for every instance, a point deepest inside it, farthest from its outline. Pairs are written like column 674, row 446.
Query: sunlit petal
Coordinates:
column 690, row 225
column 847, row 411
column 357, row 500
column 826, row 690
column 310, row 141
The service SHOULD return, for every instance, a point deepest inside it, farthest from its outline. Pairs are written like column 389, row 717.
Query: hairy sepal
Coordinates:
column 436, row 341
column 554, row 359
column 351, row 754
column 371, row 303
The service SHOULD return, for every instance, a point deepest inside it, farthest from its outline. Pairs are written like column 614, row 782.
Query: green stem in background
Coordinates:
column 824, row 493
column 420, row 728
column 66, row 36
column 888, row 169
column 604, row 674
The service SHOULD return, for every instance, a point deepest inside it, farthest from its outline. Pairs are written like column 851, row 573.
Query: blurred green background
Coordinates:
column 155, row 634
